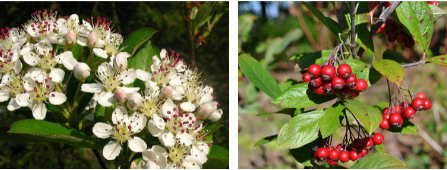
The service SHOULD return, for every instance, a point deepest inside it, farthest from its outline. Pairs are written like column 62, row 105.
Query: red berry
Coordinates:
column 338, row 83
column 435, row 3
column 344, row 71
column 390, row 22
column 306, row 77
column 427, row 104
column 378, row 138
column 358, row 145
column 395, row 119
column 400, row 38
column 331, row 148
column 332, row 162
column 340, row 147
column 408, row 113
column 328, row 72
column 343, row 156
column 327, row 86
column 420, row 95
column 351, row 81
column 418, row 104
column 354, row 155
column 385, row 114
column 319, row 90
column 391, row 37
column 369, row 143
column 322, row 153
column 316, row 82
column 398, row 109
column 385, row 124
column 333, row 154
column 361, row 85
column 314, row 70
column 409, row 42
column 364, row 152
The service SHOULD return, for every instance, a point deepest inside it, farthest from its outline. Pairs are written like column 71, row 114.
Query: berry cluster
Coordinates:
column 404, row 111
column 354, row 152
column 396, row 32
column 325, row 80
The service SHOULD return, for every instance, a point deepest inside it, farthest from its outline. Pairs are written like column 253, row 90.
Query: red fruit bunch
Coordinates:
column 328, row 80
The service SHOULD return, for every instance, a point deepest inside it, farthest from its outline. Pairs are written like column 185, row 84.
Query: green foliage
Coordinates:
column 217, row 158
column 307, row 59
column 442, row 60
column 266, row 140
column 287, row 111
column 203, row 14
column 393, row 55
column 407, row 128
column 368, row 116
column 391, row 70
column 137, row 39
column 298, row 96
column 437, row 12
column 76, row 50
column 143, row 57
column 328, row 22
column 303, row 154
column 379, row 161
column 329, row 123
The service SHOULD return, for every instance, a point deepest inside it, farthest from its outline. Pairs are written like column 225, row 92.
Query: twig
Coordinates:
column 383, row 17
column 103, row 166
column 353, row 30
column 189, row 31
column 419, row 63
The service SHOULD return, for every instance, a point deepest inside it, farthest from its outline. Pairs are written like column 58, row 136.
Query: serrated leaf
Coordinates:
column 407, row 128
column 393, row 55
column 442, row 60
column 368, row 116
column 261, row 78
column 203, row 14
column 437, row 12
column 301, row 129
column 143, row 57
column 266, row 140
column 287, row 111
column 303, row 154
column 391, row 70
column 211, row 128
column 417, row 17
column 329, row 123
column 298, row 96
column 136, row 39
column 381, row 106
column 379, row 161
column 40, row 130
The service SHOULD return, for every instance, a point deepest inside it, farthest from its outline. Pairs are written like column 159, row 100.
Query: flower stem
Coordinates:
column 103, row 165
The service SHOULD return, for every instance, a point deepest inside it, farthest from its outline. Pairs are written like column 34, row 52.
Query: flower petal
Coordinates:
column 81, row 41
column 106, row 99
column 18, row 66
column 111, row 150
column 129, row 90
column 100, row 53
column 162, row 162
column 216, row 115
column 191, row 162
column 138, row 122
column 102, row 130
column 187, row 106
column 68, row 60
column 13, row 105
column 153, row 128
column 57, row 98
column 23, row 99
column 206, row 98
column 57, row 75
column 39, row 110
column 92, row 87
column 31, row 58
column 143, row 75
column 168, row 108
column 167, row 139
column 185, row 139
column 137, row 144
column 128, row 76
column 4, row 95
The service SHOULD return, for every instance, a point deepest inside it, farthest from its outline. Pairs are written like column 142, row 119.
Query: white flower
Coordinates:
column 101, row 27
column 110, row 80
column 45, row 26
column 167, row 71
column 156, row 158
column 112, row 44
column 11, row 86
column 121, row 131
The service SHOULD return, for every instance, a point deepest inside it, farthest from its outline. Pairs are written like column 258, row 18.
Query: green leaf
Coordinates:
column 328, row 22
column 286, row 84
column 365, row 40
column 379, row 161
column 143, row 57
column 266, row 140
column 76, row 50
column 370, row 75
column 393, row 55
column 418, row 19
column 368, row 116
column 261, row 78
column 380, row 148
column 391, row 70
column 307, row 59
column 99, row 113
column 298, row 96
column 407, row 128
column 303, row 154
column 330, row 122
column 203, row 15
column 301, row 129
column 442, row 60
column 355, row 64
column 217, row 158
column 288, row 111
column 437, row 12
column 211, row 128
column 136, row 39
column 381, row 106
column 40, row 130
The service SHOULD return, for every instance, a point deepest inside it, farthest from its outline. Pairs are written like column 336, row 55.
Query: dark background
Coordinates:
column 167, row 18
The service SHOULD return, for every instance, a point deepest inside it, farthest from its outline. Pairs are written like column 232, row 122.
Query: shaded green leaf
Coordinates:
column 355, row 64
column 391, row 70
column 76, row 50
column 407, row 128
column 288, row 111
column 218, row 158
column 143, row 57
column 370, row 75
column 261, row 78
column 301, row 129
column 99, row 113
column 368, row 116
column 330, row 122
column 303, row 154
column 211, row 128
column 379, row 161
column 365, row 40
column 381, row 106
column 442, row 60
column 266, row 140
column 307, row 59
column 203, row 14
column 393, row 55
column 136, row 39
column 328, row 22
column 298, row 96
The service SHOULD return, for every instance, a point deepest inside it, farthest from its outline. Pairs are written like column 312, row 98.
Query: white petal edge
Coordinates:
column 57, row 98
column 92, row 87
column 57, row 75
column 137, row 144
column 39, row 111
column 100, row 53
column 111, row 150
column 102, row 130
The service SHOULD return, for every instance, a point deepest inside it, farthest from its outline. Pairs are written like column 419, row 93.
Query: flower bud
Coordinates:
column 216, row 115
column 120, row 61
column 120, row 95
column 74, row 18
column 70, row 38
column 81, row 71
column 134, row 100
column 166, row 91
column 92, row 39
column 205, row 111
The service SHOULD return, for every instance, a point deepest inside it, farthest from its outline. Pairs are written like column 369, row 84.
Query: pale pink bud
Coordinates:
column 167, row 91
column 205, row 111
column 120, row 95
column 92, row 39
column 216, row 115
column 120, row 61
column 134, row 100
column 81, row 71
column 70, row 38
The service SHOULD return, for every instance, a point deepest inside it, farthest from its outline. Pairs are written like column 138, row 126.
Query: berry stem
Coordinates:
column 354, row 53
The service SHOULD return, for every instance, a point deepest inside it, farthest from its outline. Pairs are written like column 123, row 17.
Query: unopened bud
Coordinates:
column 81, row 71
column 74, row 18
column 120, row 95
column 92, row 39
column 120, row 61
column 205, row 111
column 216, row 115
column 167, row 91
column 134, row 100
column 70, row 38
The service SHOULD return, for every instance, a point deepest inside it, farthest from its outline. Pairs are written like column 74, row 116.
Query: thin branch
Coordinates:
column 383, row 17
column 189, row 31
column 297, row 12
column 419, row 63
column 353, row 30
column 103, row 165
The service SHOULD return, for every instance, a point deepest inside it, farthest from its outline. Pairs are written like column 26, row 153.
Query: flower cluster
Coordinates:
column 174, row 105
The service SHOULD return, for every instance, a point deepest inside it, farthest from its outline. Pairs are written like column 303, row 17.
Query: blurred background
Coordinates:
column 273, row 32
column 166, row 17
